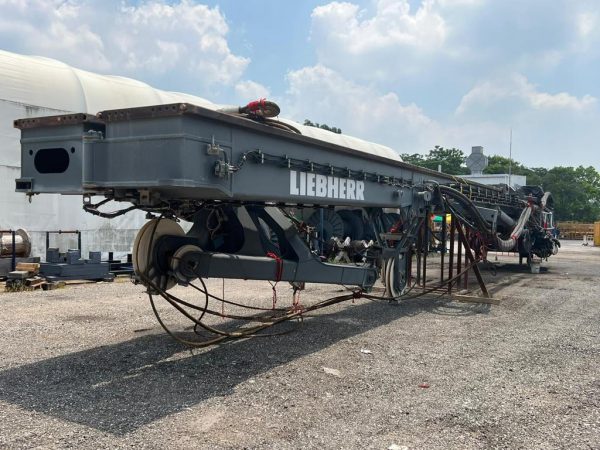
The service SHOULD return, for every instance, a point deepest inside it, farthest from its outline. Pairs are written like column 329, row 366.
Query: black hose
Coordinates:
column 93, row 209
column 480, row 222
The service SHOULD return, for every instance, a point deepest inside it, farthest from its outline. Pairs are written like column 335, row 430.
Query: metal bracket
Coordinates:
column 93, row 135
column 144, row 197
column 223, row 169
column 213, row 149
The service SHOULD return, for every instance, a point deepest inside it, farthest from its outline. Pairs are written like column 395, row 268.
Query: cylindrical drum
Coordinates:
column 22, row 244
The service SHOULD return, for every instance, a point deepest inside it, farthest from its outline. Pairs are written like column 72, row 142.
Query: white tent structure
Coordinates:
column 33, row 86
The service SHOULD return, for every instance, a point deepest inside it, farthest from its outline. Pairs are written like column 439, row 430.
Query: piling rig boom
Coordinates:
column 239, row 177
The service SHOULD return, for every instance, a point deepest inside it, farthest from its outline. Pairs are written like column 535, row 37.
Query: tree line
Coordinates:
column 576, row 190
column 323, row 126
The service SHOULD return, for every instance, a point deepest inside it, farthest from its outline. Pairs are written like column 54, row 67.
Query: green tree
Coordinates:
column 323, row 126
column 537, row 175
column 416, row 159
column 452, row 160
column 500, row 164
column 576, row 192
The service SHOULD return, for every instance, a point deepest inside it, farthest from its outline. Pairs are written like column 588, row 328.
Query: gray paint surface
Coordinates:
column 166, row 152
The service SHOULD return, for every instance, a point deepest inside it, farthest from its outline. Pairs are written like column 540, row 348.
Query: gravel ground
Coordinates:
column 88, row 367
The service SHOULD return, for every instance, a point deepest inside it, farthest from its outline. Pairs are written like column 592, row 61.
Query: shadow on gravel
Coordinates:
column 119, row 388
column 518, row 268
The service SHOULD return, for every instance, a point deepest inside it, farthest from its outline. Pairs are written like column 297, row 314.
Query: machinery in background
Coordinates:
column 71, row 266
column 23, row 271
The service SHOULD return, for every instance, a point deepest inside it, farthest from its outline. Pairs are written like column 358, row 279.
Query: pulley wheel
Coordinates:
column 143, row 252
column 394, row 276
column 183, row 273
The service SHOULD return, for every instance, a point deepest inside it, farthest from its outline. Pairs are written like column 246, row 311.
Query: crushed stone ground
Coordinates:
column 88, row 367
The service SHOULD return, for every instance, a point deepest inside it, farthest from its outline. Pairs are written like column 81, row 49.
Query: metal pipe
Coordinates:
column 18, row 244
column 418, row 249
column 467, row 250
column 322, row 238
column 14, row 251
column 443, row 249
column 459, row 253
column 451, row 256
column 425, row 246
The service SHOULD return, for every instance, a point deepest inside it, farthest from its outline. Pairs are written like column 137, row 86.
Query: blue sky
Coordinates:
column 410, row 74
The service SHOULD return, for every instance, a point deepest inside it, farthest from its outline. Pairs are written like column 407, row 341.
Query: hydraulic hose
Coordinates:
column 506, row 219
column 262, row 111
column 468, row 205
column 506, row 245
column 544, row 199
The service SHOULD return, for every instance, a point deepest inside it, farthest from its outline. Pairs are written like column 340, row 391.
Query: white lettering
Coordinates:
column 302, row 183
column 321, row 183
column 360, row 190
column 332, row 187
column 310, row 184
column 343, row 187
column 350, row 189
column 315, row 185
column 293, row 183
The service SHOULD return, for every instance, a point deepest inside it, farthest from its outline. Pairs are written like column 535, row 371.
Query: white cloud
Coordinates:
column 51, row 28
column 147, row 39
column 455, row 3
column 323, row 95
column 320, row 94
column 250, row 90
column 520, row 93
column 379, row 46
column 544, row 124
column 408, row 40
column 393, row 25
column 562, row 100
column 586, row 23
column 549, row 128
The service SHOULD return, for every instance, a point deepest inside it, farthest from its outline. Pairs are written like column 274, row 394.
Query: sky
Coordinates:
column 410, row 74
